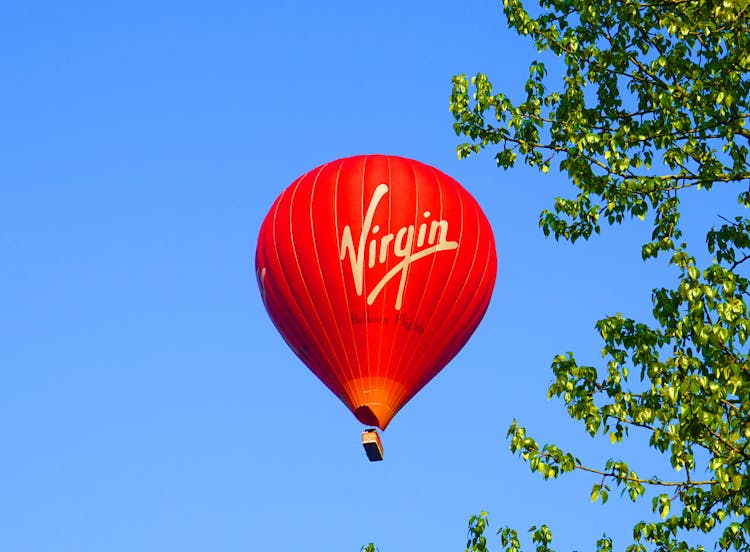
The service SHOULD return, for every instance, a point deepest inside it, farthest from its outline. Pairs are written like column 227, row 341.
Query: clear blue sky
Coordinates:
column 146, row 401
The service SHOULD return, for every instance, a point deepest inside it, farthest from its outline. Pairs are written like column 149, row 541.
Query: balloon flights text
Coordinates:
column 376, row 270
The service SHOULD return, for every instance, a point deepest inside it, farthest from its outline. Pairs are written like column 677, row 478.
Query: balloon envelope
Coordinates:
column 376, row 270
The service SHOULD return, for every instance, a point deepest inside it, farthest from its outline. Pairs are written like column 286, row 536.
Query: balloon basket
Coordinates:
column 372, row 444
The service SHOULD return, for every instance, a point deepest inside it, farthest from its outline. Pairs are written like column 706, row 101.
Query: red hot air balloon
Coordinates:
column 376, row 270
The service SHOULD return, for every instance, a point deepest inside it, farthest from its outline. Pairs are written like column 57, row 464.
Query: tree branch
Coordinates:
column 652, row 481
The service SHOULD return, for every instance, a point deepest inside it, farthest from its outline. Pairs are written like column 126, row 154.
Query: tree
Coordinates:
column 653, row 103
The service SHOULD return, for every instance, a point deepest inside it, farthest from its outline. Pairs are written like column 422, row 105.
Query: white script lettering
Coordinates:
column 401, row 244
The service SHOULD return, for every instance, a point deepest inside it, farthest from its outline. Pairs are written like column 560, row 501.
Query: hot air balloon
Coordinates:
column 376, row 270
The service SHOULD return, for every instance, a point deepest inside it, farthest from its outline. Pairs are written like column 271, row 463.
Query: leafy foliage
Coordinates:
column 652, row 104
